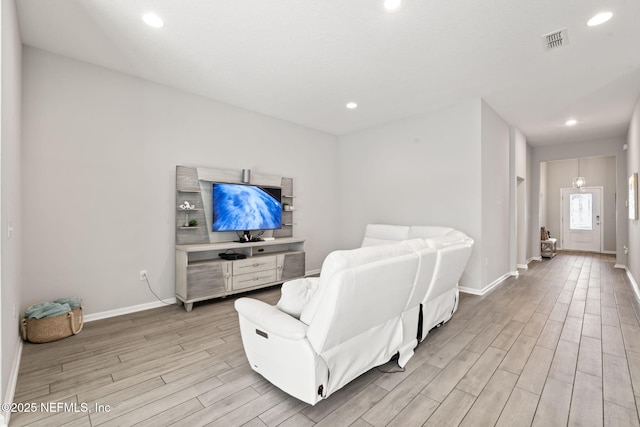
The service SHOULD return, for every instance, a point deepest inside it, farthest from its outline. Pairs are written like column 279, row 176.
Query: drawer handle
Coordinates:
column 257, row 264
column 253, row 279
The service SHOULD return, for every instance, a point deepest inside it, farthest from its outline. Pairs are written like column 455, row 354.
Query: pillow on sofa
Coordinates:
column 296, row 294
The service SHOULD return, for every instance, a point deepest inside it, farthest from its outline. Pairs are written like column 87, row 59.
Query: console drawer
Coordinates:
column 256, row 278
column 254, row 264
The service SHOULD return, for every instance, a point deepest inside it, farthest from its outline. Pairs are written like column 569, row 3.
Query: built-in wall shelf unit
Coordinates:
column 209, row 222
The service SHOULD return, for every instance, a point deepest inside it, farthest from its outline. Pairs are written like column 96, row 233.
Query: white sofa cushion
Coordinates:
column 381, row 234
column 340, row 260
column 447, row 240
column 417, row 245
column 436, row 236
column 358, row 323
column 441, row 299
column 427, row 231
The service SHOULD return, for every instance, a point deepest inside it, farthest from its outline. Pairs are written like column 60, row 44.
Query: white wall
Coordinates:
column 518, row 190
column 599, row 172
column 607, row 147
column 633, row 166
column 447, row 168
column 495, row 241
column 10, row 249
column 520, row 147
column 421, row 170
column 100, row 150
column 542, row 208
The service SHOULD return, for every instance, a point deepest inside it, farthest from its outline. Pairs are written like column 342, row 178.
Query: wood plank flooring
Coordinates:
column 560, row 345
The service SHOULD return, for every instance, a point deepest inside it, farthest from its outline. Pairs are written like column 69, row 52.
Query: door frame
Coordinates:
column 601, row 188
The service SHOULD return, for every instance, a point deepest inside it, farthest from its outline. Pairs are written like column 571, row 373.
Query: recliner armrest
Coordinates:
column 270, row 319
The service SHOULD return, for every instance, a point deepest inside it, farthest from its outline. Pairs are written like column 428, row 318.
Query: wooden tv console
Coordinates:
column 201, row 274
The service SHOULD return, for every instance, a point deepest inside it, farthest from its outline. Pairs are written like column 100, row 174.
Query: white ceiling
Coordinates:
column 303, row 60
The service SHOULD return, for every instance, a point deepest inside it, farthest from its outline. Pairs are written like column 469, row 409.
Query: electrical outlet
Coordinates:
column 143, row 274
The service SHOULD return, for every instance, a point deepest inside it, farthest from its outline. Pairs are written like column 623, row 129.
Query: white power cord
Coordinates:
column 146, row 278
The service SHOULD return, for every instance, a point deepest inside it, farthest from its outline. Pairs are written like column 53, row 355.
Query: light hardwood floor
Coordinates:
column 560, row 345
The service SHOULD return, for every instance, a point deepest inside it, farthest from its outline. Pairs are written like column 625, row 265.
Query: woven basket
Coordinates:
column 52, row 328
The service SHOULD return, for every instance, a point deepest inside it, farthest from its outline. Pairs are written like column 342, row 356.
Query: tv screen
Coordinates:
column 239, row 207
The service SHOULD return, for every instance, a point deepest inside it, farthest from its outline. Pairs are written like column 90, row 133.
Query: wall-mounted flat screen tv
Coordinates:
column 240, row 207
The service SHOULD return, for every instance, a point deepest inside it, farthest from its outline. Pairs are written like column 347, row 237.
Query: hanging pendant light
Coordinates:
column 579, row 181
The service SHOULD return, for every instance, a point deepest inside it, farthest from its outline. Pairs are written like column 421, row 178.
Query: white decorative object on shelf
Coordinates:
column 187, row 206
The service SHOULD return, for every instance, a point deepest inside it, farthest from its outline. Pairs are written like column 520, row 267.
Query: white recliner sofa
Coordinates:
column 368, row 305
column 351, row 323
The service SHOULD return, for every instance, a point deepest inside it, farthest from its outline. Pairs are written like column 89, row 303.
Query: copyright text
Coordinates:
column 54, row 407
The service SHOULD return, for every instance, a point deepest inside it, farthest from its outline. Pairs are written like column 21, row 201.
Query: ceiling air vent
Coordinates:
column 555, row 39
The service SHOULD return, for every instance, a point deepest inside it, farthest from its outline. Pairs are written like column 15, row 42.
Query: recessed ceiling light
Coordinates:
column 392, row 4
column 600, row 18
column 352, row 105
column 153, row 20
column 571, row 122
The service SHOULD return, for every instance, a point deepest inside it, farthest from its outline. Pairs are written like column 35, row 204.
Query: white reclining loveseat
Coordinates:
column 368, row 305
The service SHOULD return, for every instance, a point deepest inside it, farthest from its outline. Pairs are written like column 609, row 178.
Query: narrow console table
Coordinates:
column 201, row 274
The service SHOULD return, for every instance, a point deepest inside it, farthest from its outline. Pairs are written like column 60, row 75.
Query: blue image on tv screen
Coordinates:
column 238, row 207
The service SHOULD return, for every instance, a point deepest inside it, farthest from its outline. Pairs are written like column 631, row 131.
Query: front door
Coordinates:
column 582, row 219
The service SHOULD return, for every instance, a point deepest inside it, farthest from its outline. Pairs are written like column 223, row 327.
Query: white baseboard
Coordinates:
column 471, row 291
column 525, row 266
column 634, row 284
column 312, row 273
column 11, row 384
column 622, row 266
column 146, row 306
column 486, row 288
column 609, row 252
column 127, row 310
